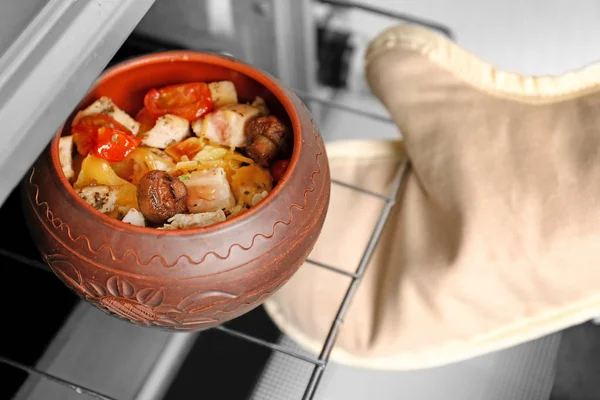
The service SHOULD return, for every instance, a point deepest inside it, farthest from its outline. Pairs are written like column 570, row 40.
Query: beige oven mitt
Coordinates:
column 495, row 237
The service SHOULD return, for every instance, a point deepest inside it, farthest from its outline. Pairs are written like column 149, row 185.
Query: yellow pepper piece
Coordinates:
column 250, row 180
column 97, row 171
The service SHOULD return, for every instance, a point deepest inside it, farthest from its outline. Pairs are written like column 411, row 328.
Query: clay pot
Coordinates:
column 189, row 279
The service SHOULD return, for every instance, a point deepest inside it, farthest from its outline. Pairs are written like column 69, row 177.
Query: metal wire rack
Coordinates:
column 319, row 363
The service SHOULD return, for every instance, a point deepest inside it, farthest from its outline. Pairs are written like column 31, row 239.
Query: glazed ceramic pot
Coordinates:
column 184, row 279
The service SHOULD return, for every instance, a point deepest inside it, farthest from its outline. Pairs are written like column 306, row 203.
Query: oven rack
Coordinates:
column 318, row 363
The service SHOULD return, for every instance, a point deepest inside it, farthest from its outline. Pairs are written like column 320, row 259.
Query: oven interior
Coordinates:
column 56, row 346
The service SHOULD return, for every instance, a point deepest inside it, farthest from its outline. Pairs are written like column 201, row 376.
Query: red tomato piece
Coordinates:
column 146, row 120
column 113, row 144
column 84, row 138
column 188, row 100
column 278, row 169
column 85, row 131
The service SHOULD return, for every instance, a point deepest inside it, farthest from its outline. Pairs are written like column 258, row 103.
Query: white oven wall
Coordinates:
column 275, row 36
column 534, row 37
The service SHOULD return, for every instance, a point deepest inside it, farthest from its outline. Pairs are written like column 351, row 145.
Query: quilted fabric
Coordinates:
column 495, row 237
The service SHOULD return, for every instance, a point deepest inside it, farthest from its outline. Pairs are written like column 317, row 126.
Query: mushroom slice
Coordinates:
column 160, row 196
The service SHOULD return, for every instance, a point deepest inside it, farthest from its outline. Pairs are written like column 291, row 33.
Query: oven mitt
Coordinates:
column 495, row 237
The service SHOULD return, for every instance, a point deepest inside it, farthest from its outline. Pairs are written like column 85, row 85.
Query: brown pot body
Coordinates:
column 190, row 279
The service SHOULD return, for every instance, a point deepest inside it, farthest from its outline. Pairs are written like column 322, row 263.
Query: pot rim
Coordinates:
column 169, row 56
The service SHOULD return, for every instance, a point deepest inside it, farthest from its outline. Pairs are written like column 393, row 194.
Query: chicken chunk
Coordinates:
column 134, row 217
column 183, row 221
column 102, row 198
column 260, row 103
column 208, row 190
column 65, row 153
column 222, row 92
column 226, row 125
column 168, row 129
column 104, row 105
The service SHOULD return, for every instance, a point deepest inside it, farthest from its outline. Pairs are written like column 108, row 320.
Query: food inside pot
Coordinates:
column 193, row 156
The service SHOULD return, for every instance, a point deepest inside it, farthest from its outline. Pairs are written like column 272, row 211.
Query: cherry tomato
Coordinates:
column 85, row 131
column 84, row 138
column 146, row 120
column 188, row 100
column 278, row 169
column 113, row 144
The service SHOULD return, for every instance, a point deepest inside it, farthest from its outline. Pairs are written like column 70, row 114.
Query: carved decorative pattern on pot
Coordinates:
column 145, row 306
